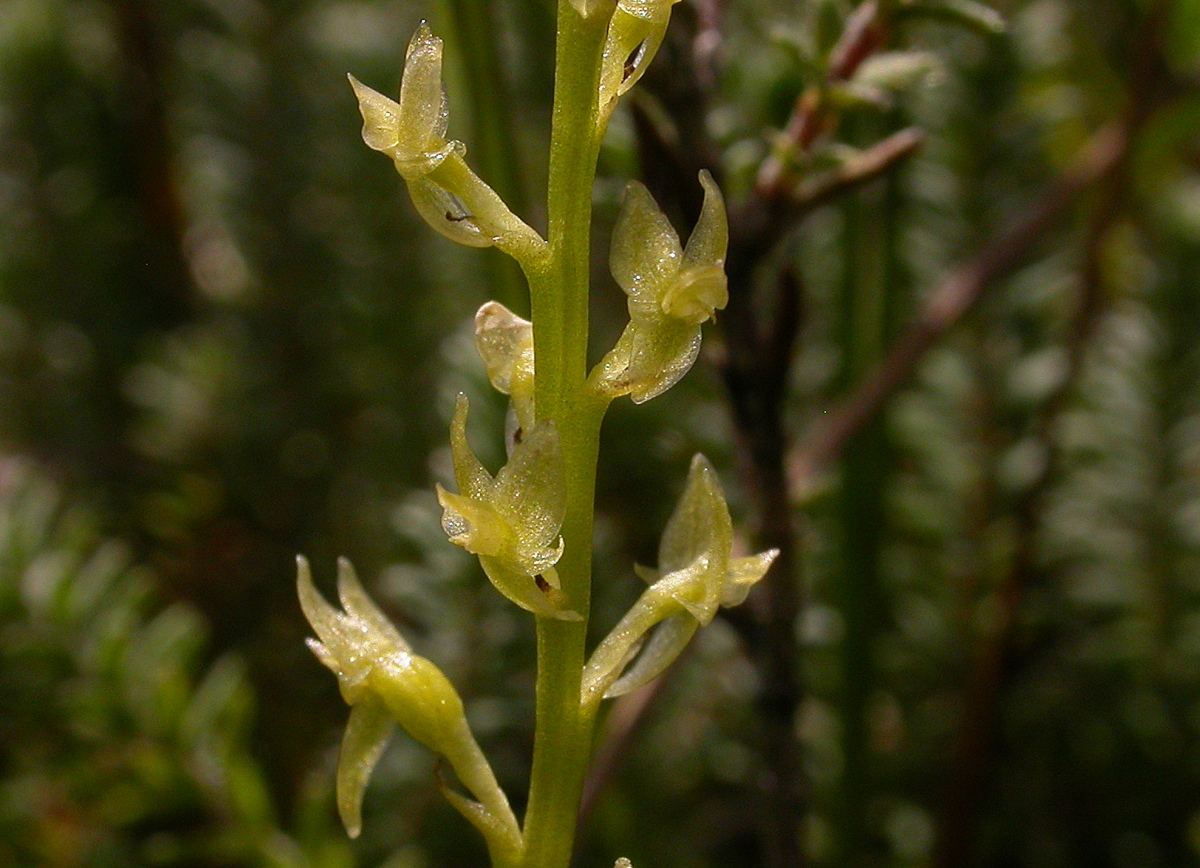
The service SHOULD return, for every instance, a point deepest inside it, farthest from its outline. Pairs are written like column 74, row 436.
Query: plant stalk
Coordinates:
column 559, row 297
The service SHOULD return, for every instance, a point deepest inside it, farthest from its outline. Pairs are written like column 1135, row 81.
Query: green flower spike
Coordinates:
column 512, row 521
column 447, row 194
column 505, row 343
column 635, row 34
column 696, row 575
column 671, row 292
column 385, row 683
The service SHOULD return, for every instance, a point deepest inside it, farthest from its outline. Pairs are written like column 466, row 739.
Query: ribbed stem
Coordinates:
column 560, row 332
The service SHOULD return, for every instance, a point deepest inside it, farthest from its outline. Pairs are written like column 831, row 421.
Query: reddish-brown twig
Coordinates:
column 957, row 294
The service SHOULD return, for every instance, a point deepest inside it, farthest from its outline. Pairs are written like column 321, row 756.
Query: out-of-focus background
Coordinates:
column 225, row 338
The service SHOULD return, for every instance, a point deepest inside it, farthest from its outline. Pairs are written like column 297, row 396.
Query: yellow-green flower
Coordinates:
column 444, row 190
column 696, row 574
column 512, row 521
column 412, row 131
column 385, row 683
column 671, row 291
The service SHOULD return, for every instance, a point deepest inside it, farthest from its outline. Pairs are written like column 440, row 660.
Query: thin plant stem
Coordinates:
column 559, row 294
column 864, row 317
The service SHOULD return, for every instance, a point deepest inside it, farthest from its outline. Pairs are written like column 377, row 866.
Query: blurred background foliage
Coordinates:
column 225, row 338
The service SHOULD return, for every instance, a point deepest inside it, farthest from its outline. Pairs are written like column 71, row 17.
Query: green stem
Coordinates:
column 868, row 298
column 559, row 295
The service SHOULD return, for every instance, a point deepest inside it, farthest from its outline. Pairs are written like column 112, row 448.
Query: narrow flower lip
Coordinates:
column 368, row 732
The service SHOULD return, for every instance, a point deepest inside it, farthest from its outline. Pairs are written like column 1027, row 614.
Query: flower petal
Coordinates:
column 743, row 574
column 709, row 241
column 470, row 475
column 381, row 117
column 367, row 734
column 700, row 523
column 423, row 111
column 645, row 248
column 663, row 647
column 320, row 614
column 530, row 490
column 363, row 609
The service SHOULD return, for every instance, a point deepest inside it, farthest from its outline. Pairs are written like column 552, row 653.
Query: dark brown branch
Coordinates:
column 995, row 658
column 622, row 723
column 863, row 34
column 145, row 57
column 861, row 169
column 947, row 305
column 993, row 663
column 761, row 325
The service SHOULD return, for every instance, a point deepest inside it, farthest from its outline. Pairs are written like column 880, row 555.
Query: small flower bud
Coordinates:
column 412, row 132
column 505, row 343
column 671, row 292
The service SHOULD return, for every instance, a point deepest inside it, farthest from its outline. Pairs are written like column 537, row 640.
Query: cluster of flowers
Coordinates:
column 512, row 520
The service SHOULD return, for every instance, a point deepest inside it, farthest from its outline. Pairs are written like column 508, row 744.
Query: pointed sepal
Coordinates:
column 368, row 732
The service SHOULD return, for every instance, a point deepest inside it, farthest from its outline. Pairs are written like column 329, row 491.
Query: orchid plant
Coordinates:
column 530, row 523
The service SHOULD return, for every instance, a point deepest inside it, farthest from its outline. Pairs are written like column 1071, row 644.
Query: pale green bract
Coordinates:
column 385, row 683
column 635, row 34
column 696, row 574
column 671, row 291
